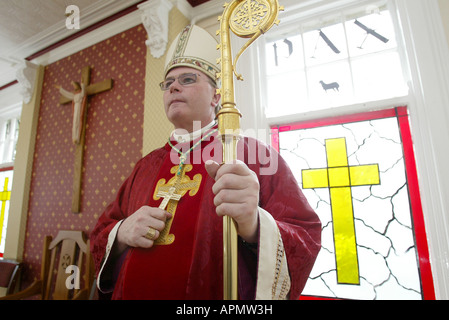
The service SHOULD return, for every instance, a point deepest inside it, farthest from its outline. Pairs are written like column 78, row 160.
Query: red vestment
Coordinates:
column 191, row 267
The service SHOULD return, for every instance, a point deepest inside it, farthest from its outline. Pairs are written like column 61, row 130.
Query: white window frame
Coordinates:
column 8, row 114
column 8, row 140
column 287, row 28
column 426, row 56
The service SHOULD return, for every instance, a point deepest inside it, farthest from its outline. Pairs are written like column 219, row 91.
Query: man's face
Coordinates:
column 187, row 103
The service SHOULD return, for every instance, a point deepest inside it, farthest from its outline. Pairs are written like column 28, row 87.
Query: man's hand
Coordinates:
column 134, row 228
column 236, row 192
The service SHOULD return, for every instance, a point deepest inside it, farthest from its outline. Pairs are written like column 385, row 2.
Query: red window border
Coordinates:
column 401, row 113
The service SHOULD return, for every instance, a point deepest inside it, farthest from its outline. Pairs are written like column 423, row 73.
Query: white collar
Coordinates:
column 187, row 137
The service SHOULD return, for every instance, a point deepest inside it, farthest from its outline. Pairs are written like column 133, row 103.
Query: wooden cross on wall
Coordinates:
column 89, row 90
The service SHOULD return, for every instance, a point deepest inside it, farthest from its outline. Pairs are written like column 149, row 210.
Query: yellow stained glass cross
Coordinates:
column 5, row 195
column 339, row 177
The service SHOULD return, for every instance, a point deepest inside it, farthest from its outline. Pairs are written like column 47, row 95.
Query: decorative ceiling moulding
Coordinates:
column 155, row 16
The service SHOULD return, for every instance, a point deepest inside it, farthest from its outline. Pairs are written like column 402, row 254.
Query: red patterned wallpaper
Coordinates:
column 113, row 140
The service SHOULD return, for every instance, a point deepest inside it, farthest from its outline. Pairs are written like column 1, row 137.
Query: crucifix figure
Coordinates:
column 78, row 99
column 170, row 195
column 79, row 109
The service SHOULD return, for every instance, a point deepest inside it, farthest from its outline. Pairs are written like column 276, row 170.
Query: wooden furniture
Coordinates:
column 9, row 275
column 63, row 259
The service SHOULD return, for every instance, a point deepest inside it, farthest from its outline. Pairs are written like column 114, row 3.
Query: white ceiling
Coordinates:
column 29, row 26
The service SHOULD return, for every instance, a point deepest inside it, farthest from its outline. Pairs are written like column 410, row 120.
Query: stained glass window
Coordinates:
column 6, row 176
column 358, row 173
column 9, row 133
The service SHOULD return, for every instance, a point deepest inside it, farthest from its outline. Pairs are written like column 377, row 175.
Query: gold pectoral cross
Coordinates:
column 171, row 193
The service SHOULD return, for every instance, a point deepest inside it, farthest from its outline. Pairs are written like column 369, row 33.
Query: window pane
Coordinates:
column 284, row 55
column 381, row 27
column 378, row 77
column 287, row 94
column 330, row 85
column 9, row 132
column 325, row 45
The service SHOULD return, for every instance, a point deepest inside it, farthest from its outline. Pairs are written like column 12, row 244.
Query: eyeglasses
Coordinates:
column 184, row 79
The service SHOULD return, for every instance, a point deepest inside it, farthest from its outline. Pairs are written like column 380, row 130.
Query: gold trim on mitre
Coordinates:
column 195, row 48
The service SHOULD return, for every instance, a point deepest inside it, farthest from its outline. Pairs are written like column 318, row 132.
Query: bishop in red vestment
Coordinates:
column 162, row 236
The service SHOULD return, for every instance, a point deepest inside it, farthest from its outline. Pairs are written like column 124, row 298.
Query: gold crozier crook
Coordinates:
column 246, row 19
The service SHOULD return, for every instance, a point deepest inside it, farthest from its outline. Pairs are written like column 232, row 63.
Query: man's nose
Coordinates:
column 175, row 86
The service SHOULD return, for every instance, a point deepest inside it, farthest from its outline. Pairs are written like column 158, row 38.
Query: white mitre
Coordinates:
column 196, row 48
